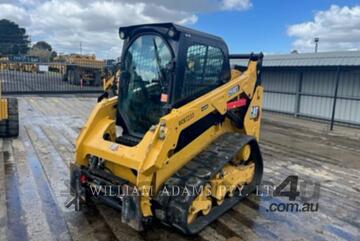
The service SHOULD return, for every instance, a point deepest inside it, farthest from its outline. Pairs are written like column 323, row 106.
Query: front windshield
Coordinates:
column 143, row 87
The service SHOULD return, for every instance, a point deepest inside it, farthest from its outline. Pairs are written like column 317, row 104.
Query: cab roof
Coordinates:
column 178, row 28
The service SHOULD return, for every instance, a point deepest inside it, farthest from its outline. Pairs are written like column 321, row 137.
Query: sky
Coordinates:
column 270, row 26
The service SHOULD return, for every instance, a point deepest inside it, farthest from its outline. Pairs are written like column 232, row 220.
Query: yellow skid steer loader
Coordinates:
column 179, row 143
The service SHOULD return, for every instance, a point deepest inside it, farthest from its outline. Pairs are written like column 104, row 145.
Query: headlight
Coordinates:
column 255, row 112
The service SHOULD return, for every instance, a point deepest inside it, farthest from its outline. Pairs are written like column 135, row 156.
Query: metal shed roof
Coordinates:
column 340, row 58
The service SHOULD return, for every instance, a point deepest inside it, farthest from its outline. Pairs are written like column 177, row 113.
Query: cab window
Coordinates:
column 143, row 82
column 203, row 69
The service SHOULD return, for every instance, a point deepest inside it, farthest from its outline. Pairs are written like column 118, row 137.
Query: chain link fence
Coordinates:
column 51, row 77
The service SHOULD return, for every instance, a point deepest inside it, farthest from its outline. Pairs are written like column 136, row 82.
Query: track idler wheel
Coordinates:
column 202, row 204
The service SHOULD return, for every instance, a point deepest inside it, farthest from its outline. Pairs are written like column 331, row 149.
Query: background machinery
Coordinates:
column 180, row 141
column 80, row 69
column 21, row 63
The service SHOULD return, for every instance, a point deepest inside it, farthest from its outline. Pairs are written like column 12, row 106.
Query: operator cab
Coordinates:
column 165, row 66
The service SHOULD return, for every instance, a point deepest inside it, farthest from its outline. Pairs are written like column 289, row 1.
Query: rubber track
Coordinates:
column 173, row 209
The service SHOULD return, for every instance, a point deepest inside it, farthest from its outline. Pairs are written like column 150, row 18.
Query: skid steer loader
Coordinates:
column 180, row 141
column 9, row 117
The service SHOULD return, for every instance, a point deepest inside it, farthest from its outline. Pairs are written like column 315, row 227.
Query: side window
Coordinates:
column 203, row 69
column 214, row 63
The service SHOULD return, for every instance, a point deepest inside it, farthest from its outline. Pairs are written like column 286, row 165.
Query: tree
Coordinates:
column 43, row 50
column 53, row 55
column 13, row 39
column 43, row 54
column 42, row 45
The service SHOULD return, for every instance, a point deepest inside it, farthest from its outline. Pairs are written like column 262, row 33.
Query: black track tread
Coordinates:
column 10, row 127
column 198, row 172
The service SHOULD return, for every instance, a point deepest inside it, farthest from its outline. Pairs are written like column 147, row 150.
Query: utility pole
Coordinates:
column 80, row 48
column 316, row 40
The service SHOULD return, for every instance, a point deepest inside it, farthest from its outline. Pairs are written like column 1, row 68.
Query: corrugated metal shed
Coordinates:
column 340, row 58
column 305, row 84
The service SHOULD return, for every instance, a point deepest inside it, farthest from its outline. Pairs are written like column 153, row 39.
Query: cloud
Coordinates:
column 199, row 5
column 17, row 14
column 236, row 4
column 338, row 29
column 94, row 23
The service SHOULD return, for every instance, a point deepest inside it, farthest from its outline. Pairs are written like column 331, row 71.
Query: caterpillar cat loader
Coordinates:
column 179, row 142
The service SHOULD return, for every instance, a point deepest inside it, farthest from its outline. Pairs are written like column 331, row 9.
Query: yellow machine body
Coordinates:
column 4, row 115
column 231, row 110
column 151, row 158
column 3, row 109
